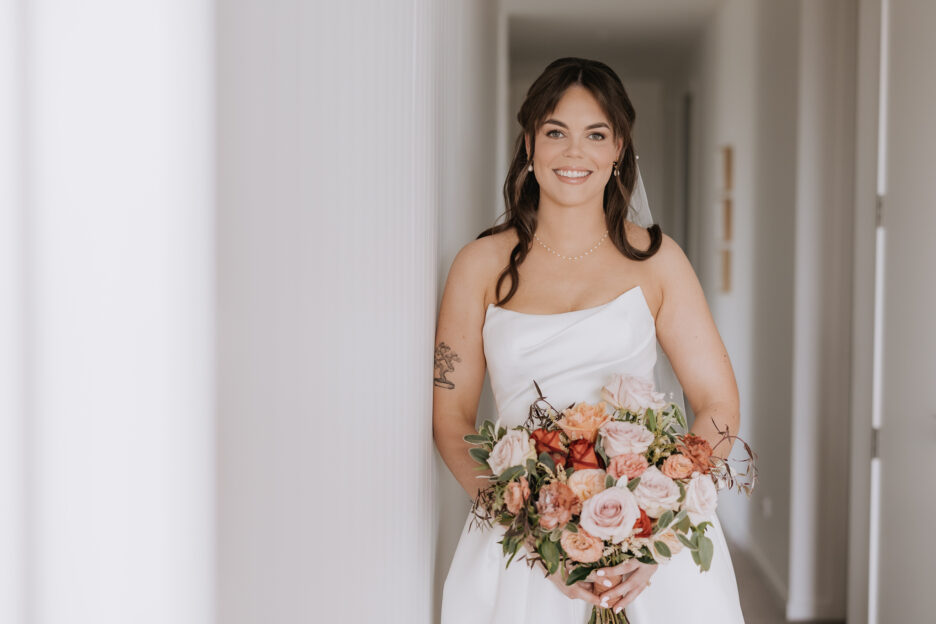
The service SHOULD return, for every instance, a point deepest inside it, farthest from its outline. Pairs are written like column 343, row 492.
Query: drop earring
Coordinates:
column 615, row 169
column 530, row 168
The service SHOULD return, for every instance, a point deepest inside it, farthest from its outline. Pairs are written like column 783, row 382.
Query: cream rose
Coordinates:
column 701, row 498
column 587, row 482
column 511, row 450
column 668, row 537
column 619, row 438
column 610, row 514
column 656, row 492
column 633, row 393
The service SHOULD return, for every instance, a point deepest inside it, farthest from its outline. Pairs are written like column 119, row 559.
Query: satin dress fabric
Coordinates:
column 571, row 355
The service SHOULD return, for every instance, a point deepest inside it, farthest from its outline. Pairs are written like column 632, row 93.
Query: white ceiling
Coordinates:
column 600, row 27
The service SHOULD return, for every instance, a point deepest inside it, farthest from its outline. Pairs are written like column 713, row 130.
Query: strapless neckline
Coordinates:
column 571, row 312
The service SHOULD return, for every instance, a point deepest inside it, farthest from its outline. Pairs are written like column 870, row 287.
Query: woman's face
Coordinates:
column 575, row 149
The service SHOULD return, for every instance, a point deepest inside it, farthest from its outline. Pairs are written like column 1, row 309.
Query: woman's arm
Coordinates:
column 690, row 339
column 460, row 364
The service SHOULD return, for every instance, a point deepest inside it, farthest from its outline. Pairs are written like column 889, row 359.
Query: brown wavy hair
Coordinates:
column 521, row 190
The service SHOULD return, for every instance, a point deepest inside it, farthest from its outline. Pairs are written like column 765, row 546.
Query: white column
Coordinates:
column 327, row 232
column 107, row 299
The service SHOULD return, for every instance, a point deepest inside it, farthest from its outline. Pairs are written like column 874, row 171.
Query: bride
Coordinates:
column 568, row 291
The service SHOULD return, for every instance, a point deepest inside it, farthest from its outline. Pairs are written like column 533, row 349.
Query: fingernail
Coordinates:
column 604, row 603
column 600, row 572
column 617, row 609
column 607, row 583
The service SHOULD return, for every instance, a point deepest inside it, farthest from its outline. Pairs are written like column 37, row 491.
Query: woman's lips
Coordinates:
column 572, row 176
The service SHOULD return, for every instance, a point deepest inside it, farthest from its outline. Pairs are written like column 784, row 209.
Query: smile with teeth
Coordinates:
column 572, row 176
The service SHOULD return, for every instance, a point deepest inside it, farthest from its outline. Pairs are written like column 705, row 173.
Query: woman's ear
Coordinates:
column 526, row 142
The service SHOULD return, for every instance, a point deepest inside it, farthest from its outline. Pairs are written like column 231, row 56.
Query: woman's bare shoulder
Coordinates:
column 480, row 261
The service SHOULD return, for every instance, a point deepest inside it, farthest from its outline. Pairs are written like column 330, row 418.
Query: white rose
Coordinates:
column 632, row 393
column 656, row 492
column 701, row 498
column 620, row 438
column 511, row 450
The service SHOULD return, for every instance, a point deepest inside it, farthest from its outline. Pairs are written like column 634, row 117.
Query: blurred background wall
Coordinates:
column 224, row 228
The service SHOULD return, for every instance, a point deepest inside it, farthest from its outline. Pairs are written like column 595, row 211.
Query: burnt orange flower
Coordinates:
column 582, row 455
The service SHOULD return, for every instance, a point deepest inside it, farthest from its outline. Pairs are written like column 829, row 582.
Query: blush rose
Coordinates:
column 656, row 492
column 633, row 393
column 610, row 514
column 619, row 438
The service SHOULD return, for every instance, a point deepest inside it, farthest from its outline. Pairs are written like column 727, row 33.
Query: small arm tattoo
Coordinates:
column 444, row 356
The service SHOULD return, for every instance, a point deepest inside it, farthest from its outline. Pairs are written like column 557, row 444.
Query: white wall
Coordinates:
column 773, row 81
column 106, row 312
column 470, row 199
column 327, row 282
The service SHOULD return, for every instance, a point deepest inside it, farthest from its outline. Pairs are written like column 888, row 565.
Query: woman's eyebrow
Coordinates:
column 600, row 124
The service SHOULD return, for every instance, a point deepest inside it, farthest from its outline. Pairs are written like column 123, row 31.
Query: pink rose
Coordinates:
column 633, row 393
column 701, row 498
column 629, row 465
column 656, row 492
column 610, row 514
column 586, row 483
column 620, row 438
column 516, row 494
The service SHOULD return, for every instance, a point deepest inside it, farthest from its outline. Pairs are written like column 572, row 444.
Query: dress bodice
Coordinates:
column 571, row 355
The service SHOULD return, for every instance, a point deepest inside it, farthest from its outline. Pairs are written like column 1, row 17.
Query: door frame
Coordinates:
column 862, row 586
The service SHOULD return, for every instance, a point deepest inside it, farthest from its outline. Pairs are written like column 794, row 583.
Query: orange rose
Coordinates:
column 678, row 466
column 582, row 455
column 643, row 527
column 517, row 492
column 556, row 505
column 630, row 465
column 583, row 420
column 698, row 450
column 550, row 442
column 581, row 546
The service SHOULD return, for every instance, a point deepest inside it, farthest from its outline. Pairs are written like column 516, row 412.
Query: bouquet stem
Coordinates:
column 600, row 615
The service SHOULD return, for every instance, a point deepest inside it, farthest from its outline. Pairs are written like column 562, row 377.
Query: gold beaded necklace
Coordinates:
column 553, row 251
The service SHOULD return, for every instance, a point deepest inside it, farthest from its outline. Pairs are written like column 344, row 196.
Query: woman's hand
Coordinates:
column 582, row 590
column 636, row 578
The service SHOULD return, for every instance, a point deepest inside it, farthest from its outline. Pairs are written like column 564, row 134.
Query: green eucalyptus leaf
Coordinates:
column 662, row 548
column 579, row 573
column 480, row 455
column 510, row 473
column 609, row 481
column 547, row 460
column 651, row 420
column 476, row 439
column 633, row 483
column 706, row 550
column 686, row 542
column 663, row 521
column 550, row 554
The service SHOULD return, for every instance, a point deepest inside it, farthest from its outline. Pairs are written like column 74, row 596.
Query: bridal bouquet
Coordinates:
column 596, row 484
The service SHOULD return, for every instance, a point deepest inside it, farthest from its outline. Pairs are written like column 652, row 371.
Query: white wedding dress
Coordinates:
column 571, row 355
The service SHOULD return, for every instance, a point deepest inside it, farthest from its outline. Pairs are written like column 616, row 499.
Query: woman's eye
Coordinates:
column 549, row 134
column 598, row 134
